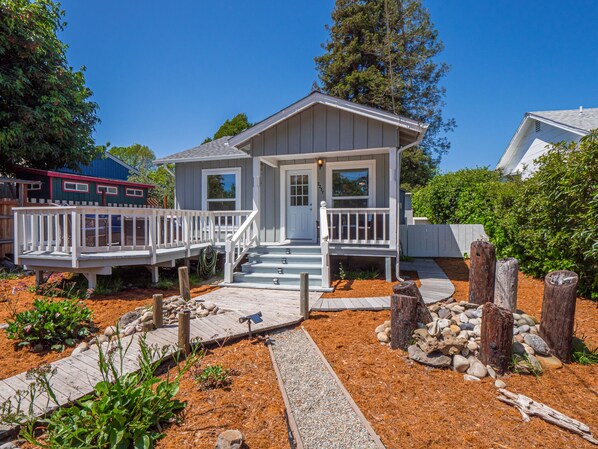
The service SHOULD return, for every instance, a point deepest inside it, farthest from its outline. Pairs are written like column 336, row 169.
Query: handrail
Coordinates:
column 238, row 244
column 359, row 225
column 324, row 244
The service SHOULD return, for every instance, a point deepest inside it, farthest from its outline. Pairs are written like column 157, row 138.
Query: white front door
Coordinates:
column 300, row 220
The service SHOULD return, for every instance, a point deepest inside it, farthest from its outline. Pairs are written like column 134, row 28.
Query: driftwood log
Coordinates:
column 481, row 272
column 528, row 407
column 496, row 337
column 558, row 312
column 408, row 288
column 403, row 320
column 505, row 288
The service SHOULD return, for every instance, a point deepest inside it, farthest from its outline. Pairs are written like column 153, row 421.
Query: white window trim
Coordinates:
column 283, row 195
column 370, row 164
column 34, row 186
column 99, row 186
column 65, row 189
column 221, row 171
column 134, row 191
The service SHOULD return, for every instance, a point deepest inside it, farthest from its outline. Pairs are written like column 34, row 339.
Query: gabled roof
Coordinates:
column 228, row 147
column 215, row 150
column 123, row 163
column 578, row 121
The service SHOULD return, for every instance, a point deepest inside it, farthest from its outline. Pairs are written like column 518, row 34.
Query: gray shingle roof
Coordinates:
column 216, row 149
column 586, row 121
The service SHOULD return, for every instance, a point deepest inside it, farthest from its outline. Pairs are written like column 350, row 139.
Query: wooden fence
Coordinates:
column 6, row 226
column 428, row 240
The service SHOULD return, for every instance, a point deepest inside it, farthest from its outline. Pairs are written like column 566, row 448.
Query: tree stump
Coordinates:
column 403, row 320
column 558, row 312
column 408, row 288
column 497, row 337
column 505, row 288
column 481, row 272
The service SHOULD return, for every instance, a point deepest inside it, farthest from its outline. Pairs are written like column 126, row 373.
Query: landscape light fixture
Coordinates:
column 254, row 318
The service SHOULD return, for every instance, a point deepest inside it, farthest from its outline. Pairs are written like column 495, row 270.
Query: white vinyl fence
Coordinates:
column 451, row 240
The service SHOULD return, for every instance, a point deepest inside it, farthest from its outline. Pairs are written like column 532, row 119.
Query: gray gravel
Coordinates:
column 323, row 414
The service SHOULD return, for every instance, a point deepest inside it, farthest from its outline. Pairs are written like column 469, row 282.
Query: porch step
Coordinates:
column 277, row 282
column 281, row 258
column 292, row 288
column 280, row 268
column 289, row 249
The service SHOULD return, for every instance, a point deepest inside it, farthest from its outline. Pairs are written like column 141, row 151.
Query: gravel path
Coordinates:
column 324, row 416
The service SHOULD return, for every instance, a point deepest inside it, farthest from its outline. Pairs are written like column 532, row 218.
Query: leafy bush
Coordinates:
column 65, row 285
column 53, row 324
column 108, row 285
column 213, row 376
column 547, row 222
column 125, row 411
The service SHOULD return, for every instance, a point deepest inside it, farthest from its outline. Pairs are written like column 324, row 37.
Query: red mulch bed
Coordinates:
column 106, row 309
column 350, row 288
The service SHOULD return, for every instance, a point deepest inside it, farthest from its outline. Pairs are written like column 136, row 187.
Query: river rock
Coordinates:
column 477, row 369
column 81, row 347
column 470, row 378
column 456, row 329
column 529, row 349
column 523, row 329
column 444, row 313
column 130, row 330
column 210, row 306
column 110, row 331
column 466, row 326
column 549, row 363
column 438, row 361
column 147, row 316
column 536, row 342
column 383, row 337
column 460, row 363
column 500, row 384
column 380, row 328
column 230, row 439
column 443, row 323
column 517, row 348
column 147, row 326
column 128, row 318
column 491, row 371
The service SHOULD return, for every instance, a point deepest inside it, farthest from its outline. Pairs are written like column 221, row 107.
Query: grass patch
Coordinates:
column 583, row 354
column 357, row 275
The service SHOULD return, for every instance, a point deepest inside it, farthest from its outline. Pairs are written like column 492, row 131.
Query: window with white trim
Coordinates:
column 221, row 189
column 110, row 190
column 351, row 184
column 34, row 186
column 80, row 187
column 138, row 193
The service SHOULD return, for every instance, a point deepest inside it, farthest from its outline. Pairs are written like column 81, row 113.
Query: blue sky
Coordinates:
column 168, row 76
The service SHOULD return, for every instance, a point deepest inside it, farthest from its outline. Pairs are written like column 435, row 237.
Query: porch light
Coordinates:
column 320, row 162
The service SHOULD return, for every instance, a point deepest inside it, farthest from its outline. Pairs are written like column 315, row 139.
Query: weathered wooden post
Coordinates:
column 184, row 283
column 184, row 341
column 481, row 272
column 558, row 312
column 408, row 288
column 158, row 323
column 497, row 337
column 304, row 295
column 505, row 288
column 403, row 320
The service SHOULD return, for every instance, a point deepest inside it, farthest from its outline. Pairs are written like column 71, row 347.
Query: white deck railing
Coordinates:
column 76, row 230
column 363, row 226
column 325, row 245
column 239, row 243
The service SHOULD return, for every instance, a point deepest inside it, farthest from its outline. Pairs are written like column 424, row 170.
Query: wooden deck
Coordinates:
column 76, row 376
column 435, row 286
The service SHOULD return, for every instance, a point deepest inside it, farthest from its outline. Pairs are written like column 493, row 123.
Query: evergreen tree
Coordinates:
column 381, row 53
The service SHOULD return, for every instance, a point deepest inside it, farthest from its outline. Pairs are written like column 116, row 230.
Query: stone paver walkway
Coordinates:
column 321, row 409
column 435, row 286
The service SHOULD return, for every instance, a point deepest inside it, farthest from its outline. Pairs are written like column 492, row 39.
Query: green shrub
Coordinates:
column 213, row 376
column 53, row 324
column 108, row 285
column 125, row 411
column 65, row 285
column 547, row 222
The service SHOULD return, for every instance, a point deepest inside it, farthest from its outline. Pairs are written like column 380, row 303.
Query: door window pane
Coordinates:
column 299, row 190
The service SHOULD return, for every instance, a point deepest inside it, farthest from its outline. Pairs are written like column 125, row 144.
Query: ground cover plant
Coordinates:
column 547, row 221
column 50, row 324
column 213, row 376
column 124, row 411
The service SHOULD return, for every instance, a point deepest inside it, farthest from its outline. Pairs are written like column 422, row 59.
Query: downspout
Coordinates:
column 400, row 150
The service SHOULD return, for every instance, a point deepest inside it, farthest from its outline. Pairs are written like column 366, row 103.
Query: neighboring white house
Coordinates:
column 540, row 129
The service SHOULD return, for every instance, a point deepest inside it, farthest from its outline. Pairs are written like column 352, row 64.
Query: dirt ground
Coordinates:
column 350, row 288
column 106, row 311
column 529, row 298
column 252, row 403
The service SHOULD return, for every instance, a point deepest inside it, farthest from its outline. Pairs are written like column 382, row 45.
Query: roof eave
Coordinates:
column 199, row 159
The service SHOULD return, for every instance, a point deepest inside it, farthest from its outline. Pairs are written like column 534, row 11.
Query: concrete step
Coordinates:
column 289, row 268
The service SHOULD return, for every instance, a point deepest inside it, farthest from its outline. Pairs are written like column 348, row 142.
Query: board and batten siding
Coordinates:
column 534, row 144
column 188, row 182
column 322, row 129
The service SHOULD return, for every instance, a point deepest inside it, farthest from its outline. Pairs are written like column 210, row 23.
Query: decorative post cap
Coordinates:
column 323, row 204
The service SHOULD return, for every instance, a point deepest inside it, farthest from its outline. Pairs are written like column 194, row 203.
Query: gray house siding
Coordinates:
column 188, row 182
column 321, row 129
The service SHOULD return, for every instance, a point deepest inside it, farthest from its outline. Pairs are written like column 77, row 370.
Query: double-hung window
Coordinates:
column 221, row 189
column 351, row 184
column 137, row 193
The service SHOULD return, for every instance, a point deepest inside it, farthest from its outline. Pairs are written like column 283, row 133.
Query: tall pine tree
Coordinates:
column 382, row 53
